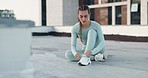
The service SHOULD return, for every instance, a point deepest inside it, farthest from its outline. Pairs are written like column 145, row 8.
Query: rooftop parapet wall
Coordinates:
column 121, row 33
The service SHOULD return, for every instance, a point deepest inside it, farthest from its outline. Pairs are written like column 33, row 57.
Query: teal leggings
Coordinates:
column 91, row 41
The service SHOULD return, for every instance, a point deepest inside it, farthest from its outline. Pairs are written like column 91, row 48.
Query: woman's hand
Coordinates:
column 78, row 56
column 88, row 53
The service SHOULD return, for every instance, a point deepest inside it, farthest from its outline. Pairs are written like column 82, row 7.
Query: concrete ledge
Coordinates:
column 63, row 34
column 132, row 33
column 126, row 38
column 43, row 29
column 107, row 37
column 132, row 30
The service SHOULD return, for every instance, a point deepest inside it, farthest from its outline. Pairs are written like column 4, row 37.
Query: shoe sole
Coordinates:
column 80, row 64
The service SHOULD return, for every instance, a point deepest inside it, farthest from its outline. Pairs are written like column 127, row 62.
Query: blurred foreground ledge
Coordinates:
column 15, row 48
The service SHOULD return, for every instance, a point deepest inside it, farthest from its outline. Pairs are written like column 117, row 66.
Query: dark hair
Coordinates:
column 82, row 8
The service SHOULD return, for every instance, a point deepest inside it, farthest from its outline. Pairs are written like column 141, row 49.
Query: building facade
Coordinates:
column 118, row 12
column 23, row 9
column 117, row 17
column 106, row 12
column 61, row 12
column 64, row 12
column 7, row 14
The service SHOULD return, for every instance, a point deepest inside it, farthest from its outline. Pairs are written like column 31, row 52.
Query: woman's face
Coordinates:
column 83, row 16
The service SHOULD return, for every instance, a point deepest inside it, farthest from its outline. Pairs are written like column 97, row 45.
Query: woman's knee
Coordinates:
column 92, row 35
column 92, row 31
column 70, row 56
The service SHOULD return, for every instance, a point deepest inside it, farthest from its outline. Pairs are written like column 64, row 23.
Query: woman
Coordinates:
column 91, row 36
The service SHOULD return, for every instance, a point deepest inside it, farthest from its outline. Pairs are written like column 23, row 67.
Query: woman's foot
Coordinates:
column 99, row 57
column 84, row 61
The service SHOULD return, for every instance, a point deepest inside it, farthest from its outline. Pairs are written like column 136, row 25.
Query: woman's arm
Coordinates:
column 73, row 41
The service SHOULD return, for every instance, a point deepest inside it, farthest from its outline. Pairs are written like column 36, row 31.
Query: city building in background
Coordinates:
column 7, row 14
column 117, row 17
column 105, row 12
column 64, row 12
column 118, row 12
column 23, row 9
column 59, row 13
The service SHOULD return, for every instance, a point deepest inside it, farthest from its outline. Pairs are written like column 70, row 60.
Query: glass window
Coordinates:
column 135, row 12
column 88, row 2
column 109, row 15
column 117, row 0
column 92, row 14
column 111, row 1
column 43, row 6
column 118, row 15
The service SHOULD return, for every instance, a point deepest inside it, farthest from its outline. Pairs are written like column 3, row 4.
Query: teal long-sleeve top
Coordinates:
column 100, row 43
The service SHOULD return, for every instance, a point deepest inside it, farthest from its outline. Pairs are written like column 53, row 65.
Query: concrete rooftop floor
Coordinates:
column 124, row 60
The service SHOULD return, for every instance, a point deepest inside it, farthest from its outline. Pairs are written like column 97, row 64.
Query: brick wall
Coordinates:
column 124, row 15
column 101, row 15
column 104, row 16
column 96, row 2
column 97, row 14
column 104, row 1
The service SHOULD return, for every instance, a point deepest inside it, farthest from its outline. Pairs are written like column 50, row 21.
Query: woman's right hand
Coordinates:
column 78, row 56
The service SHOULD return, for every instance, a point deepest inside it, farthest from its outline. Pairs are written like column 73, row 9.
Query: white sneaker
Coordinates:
column 84, row 61
column 99, row 57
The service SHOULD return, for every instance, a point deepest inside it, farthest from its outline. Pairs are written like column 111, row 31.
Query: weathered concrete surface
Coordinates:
column 124, row 60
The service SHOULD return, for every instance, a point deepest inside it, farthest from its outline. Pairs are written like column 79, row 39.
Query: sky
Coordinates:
column 23, row 9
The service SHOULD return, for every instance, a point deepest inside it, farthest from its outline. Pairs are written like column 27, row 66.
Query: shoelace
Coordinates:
column 87, row 60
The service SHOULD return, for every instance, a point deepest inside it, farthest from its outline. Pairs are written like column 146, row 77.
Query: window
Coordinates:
column 43, row 7
column 92, row 14
column 118, row 15
column 135, row 14
column 90, row 2
column 109, row 15
column 111, row 1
